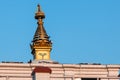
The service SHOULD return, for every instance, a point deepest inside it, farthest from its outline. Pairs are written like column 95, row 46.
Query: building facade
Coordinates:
column 43, row 68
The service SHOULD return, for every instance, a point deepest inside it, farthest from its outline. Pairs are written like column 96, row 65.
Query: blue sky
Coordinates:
column 82, row 31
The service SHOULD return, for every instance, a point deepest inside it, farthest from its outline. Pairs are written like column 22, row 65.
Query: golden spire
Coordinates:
column 40, row 32
column 41, row 45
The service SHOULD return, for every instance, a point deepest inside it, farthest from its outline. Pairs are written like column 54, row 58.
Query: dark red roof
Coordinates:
column 42, row 69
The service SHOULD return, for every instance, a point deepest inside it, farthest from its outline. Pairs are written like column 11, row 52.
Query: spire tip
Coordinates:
column 38, row 7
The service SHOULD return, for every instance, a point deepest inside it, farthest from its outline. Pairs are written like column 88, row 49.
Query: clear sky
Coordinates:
column 82, row 31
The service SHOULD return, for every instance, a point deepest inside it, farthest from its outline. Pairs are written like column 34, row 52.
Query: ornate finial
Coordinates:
column 39, row 13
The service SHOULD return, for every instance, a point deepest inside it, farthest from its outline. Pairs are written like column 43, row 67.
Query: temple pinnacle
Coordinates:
column 41, row 45
column 40, row 32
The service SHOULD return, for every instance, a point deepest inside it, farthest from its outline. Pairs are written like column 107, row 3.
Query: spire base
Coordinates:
column 44, row 61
